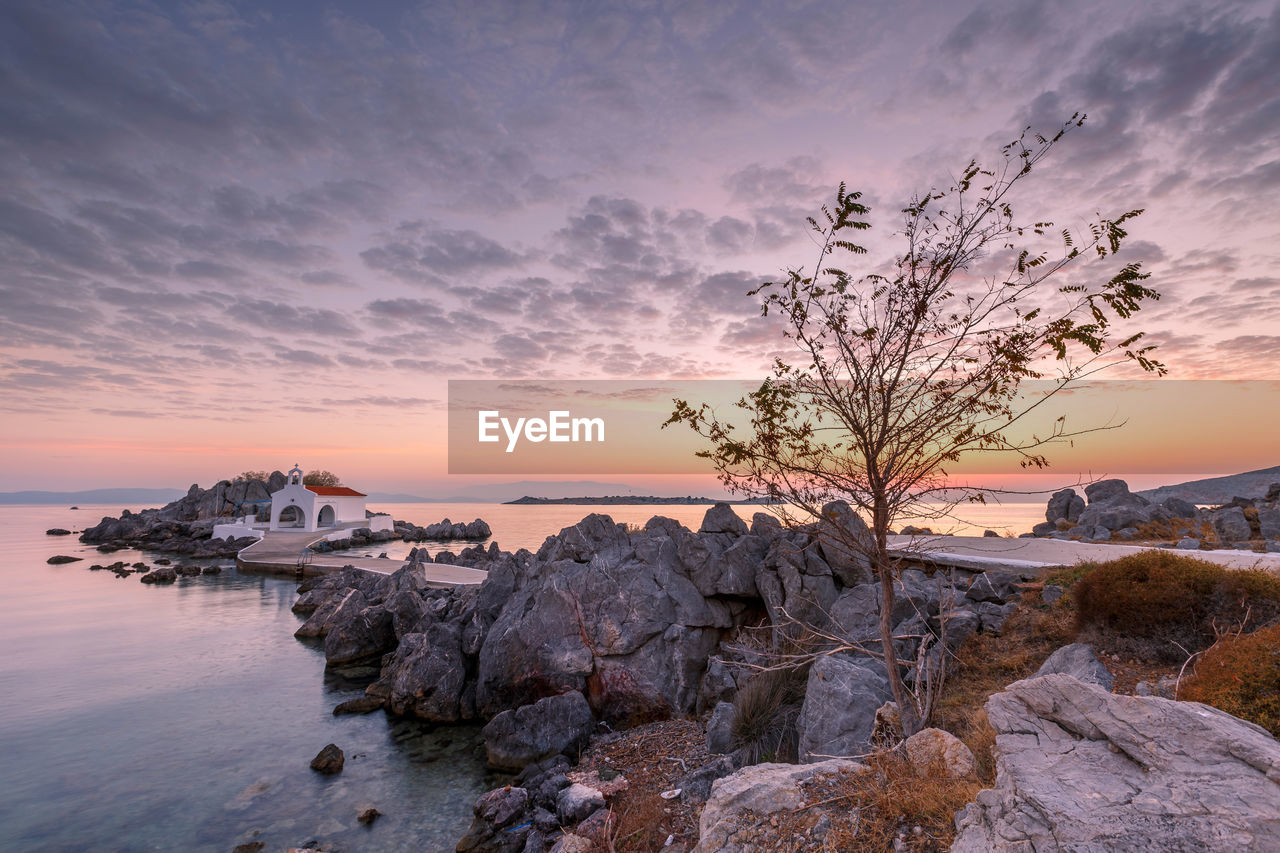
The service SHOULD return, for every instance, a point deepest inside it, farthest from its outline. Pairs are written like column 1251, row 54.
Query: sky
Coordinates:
column 239, row 235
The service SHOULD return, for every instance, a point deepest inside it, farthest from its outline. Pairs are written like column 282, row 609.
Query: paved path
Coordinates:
column 981, row 552
column 277, row 553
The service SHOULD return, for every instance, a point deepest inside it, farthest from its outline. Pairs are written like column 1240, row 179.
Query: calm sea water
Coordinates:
column 137, row 717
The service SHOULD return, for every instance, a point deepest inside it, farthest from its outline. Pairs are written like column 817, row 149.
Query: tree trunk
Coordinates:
column 906, row 706
column 884, row 567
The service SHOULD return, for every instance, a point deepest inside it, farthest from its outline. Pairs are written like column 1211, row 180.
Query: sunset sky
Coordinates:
column 239, row 235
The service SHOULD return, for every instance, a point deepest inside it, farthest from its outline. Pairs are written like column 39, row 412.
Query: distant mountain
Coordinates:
column 613, row 500
column 500, row 492
column 1218, row 490
column 124, row 497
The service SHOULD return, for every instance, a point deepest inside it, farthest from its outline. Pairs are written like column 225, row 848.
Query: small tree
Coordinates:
column 320, row 478
column 247, row 476
column 904, row 373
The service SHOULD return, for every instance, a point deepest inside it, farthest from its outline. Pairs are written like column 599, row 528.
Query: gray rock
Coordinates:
column 531, row 733
column 839, row 709
column 1188, row 543
column 1125, row 534
column 1230, row 524
column 493, row 829
column 426, row 675
column 1099, row 534
column 358, row 634
column 720, row 728
column 718, row 685
column 161, row 575
column 766, row 526
column 576, row 802
column 1269, row 522
column 696, row 784
column 1081, row 769
column 1065, row 504
column 762, row 790
column 1044, row 528
column 1180, row 508
column 1078, row 661
column 348, row 601
column 1051, row 593
column 845, row 539
column 722, row 519
column 1104, row 491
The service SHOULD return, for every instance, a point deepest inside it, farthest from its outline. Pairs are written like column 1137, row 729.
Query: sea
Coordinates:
column 138, row 717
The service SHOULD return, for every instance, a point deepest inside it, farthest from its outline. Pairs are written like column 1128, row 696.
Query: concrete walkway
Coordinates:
column 278, row 550
column 979, row 552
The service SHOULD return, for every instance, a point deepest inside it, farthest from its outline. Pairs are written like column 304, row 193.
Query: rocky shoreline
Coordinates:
column 605, row 630
column 1109, row 512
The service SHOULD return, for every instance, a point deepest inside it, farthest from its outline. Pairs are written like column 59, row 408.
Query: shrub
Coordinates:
column 765, row 712
column 1173, row 601
column 1241, row 675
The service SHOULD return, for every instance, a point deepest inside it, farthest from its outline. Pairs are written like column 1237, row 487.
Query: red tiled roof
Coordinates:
column 336, row 491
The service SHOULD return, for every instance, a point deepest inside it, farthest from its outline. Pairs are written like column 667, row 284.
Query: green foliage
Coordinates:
column 320, row 478
column 1181, row 602
column 1241, row 675
column 765, row 712
column 246, row 476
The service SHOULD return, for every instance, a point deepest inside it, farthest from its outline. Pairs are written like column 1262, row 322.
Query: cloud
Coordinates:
column 423, row 253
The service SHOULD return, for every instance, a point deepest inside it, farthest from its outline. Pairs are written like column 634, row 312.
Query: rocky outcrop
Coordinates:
column 445, row 530
column 1111, row 511
column 1079, row 768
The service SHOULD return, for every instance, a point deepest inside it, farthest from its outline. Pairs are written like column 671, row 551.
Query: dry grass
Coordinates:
column 1241, row 675
column 894, row 807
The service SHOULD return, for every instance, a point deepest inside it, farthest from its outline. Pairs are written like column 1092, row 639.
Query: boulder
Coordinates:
column 358, row 634
column 499, row 822
column 531, row 733
column 576, row 802
column 934, row 750
column 1104, row 491
column 329, row 760
column 1269, row 522
column 161, row 575
column 839, row 711
column 1078, row 661
column 1180, row 508
column 753, row 793
column 61, row 559
column 845, row 540
column 722, row 519
column 1065, row 504
column 1188, row 543
column 720, row 728
column 426, row 675
column 695, row 786
column 57, row 531
column 1080, row 769
column 1230, row 524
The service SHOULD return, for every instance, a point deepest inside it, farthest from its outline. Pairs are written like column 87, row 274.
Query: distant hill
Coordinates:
column 500, row 492
column 124, row 497
column 1218, row 490
column 611, row 500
